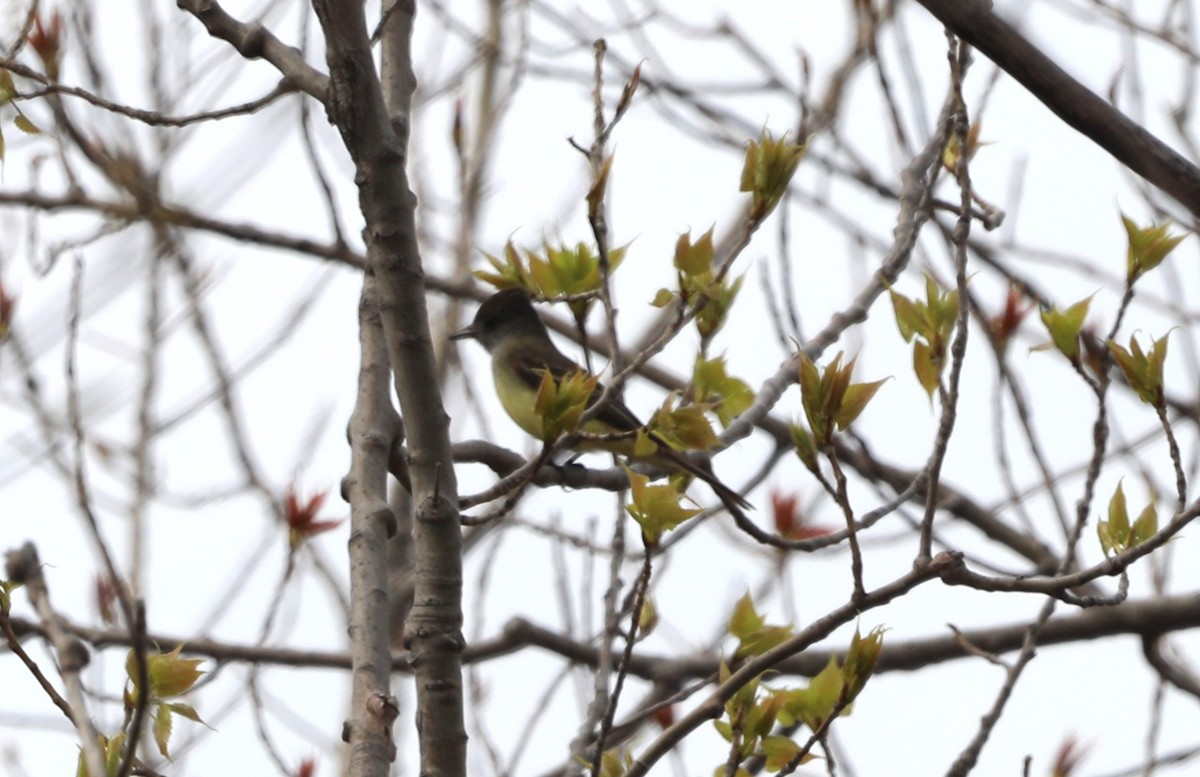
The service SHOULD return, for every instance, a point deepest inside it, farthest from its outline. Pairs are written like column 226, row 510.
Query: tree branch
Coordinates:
column 1130, row 143
column 372, row 113
column 254, row 41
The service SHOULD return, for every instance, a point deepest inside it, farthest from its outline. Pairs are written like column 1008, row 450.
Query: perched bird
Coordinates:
column 522, row 353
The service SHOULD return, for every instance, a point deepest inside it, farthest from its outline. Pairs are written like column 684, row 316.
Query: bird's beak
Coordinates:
column 466, row 333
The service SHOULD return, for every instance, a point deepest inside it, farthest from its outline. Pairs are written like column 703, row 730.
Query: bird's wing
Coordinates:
column 615, row 413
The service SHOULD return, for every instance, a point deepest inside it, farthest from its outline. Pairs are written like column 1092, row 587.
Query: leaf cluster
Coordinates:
column 752, row 712
column 831, row 402
column 1065, row 328
column 953, row 151
column 613, row 763
column 767, row 170
column 1148, row 247
column 111, row 748
column 928, row 325
column 657, row 509
column 8, row 95
column 1117, row 534
column 170, row 675
column 555, row 271
column 700, row 284
column 683, row 428
column 6, row 589
column 728, row 396
column 561, row 403
column 1143, row 370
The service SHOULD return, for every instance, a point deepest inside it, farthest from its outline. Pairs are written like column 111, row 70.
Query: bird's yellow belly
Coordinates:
column 518, row 399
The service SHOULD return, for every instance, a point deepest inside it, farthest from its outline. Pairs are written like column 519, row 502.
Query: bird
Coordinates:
column 509, row 328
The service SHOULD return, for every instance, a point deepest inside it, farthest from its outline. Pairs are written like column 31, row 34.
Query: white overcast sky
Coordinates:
column 664, row 183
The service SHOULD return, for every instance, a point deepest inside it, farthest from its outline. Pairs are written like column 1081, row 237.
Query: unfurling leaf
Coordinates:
column 647, row 617
column 855, row 401
column 744, row 619
column 755, row 636
column 643, row 445
column 570, row 271
column 790, row 522
column 830, row 400
column 657, row 509
column 556, row 271
column 615, row 763
column 718, row 299
column 163, row 723
column 561, row 403
column 928, row 324
column 169, row 673
column 595, row 195
column 1117, row 534
column 25, row 125
column 779, row 752
column 953, row 152
column 928, row 368
column 767, row 171
column 683, row 428
column 1068, row 758
column 910, row 317
column 1146, row 525
column 1148, row 246
column 509, row 272
column 8, row 90
column 627, row 93
column 6, row 589
column 1143, row 371
column 694, row 260
column 46, row 40
column 805, row 448
column 300, row 517
column 860, row 660
column 1065, row 326
column 762, row 640
column 112, row 750
column 1005, row 325
column 813, row 705
column 711, row 383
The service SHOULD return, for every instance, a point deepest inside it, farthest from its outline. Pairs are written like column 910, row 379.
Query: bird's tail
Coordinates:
column 704, row 472
column 726, row 494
